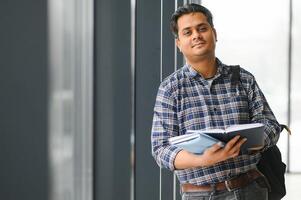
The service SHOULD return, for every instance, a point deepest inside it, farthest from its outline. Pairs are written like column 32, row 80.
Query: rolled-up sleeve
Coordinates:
column 165, row 125
column 261, row 113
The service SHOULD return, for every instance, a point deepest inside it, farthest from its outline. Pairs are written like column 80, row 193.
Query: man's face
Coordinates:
column 196, row 38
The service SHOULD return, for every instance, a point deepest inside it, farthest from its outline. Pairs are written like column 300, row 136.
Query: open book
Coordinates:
column 197, row 141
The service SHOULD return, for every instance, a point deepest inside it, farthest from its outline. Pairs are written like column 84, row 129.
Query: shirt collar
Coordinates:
column 221, row 70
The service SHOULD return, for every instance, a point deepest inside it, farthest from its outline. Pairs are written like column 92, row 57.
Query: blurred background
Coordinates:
column 78, row 80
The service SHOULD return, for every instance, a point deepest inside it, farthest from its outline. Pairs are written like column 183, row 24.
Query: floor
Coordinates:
column 293, row 187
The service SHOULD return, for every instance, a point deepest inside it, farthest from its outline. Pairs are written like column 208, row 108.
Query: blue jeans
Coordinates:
column 256, row 190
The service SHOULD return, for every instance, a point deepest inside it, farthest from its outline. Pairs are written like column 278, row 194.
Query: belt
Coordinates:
column 231, row 184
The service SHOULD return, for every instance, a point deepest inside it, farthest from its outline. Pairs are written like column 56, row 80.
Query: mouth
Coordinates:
column 199, row 44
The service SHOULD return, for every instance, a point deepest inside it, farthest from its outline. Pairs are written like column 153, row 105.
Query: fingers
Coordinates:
column 220, row 152
column 232, row 142
column 239, row 143
column 216, row 147
column 234, row 151
column 233, row 146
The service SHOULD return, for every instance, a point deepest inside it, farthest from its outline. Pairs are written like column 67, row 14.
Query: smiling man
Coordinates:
column 196, row 40
column 204, row 94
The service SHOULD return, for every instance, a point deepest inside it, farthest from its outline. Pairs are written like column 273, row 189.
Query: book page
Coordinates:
column 239, row 127
column 208, row 131
column 182, row 138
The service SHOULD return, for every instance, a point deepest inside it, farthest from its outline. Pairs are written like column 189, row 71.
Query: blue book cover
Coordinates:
column 197, row 141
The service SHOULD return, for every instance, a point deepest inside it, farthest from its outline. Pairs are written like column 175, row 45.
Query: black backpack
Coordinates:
column 270, row 164
column 273, row 168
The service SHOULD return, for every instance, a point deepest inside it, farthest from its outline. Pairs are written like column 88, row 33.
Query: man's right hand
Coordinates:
column 217, row 153
column 211, row 156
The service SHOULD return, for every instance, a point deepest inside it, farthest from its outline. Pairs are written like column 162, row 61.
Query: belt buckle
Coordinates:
column 227, row 183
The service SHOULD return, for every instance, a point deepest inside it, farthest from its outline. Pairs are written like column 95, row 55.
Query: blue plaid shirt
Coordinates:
column 187, row 101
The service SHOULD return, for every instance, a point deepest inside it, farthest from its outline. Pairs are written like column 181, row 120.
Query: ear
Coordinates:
column 215, row 34
column 178, row 43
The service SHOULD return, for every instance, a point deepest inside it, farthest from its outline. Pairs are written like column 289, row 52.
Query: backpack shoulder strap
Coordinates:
column 235, row 70
column 235, row 78
column 283, row 126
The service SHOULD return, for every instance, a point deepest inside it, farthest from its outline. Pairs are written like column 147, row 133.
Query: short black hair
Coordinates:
column 187, row 9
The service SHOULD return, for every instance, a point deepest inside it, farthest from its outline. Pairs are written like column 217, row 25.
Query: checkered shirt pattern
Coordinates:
column 187, row 101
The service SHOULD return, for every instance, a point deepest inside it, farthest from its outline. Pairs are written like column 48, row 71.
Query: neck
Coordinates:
column 207, row 67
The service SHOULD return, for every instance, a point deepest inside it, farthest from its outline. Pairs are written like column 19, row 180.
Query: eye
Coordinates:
column 202, row 29
column 186, row 32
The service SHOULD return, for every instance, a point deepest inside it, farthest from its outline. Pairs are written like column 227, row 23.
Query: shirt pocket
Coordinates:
column 236, row 105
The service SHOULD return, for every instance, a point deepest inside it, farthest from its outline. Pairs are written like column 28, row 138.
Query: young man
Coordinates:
column 202, row 95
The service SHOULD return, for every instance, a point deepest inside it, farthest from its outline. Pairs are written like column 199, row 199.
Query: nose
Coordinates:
column 196, row 35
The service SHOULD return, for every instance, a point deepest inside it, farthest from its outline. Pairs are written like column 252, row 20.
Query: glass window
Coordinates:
column 295, row 147
column 251, row 34
column 70, row 104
